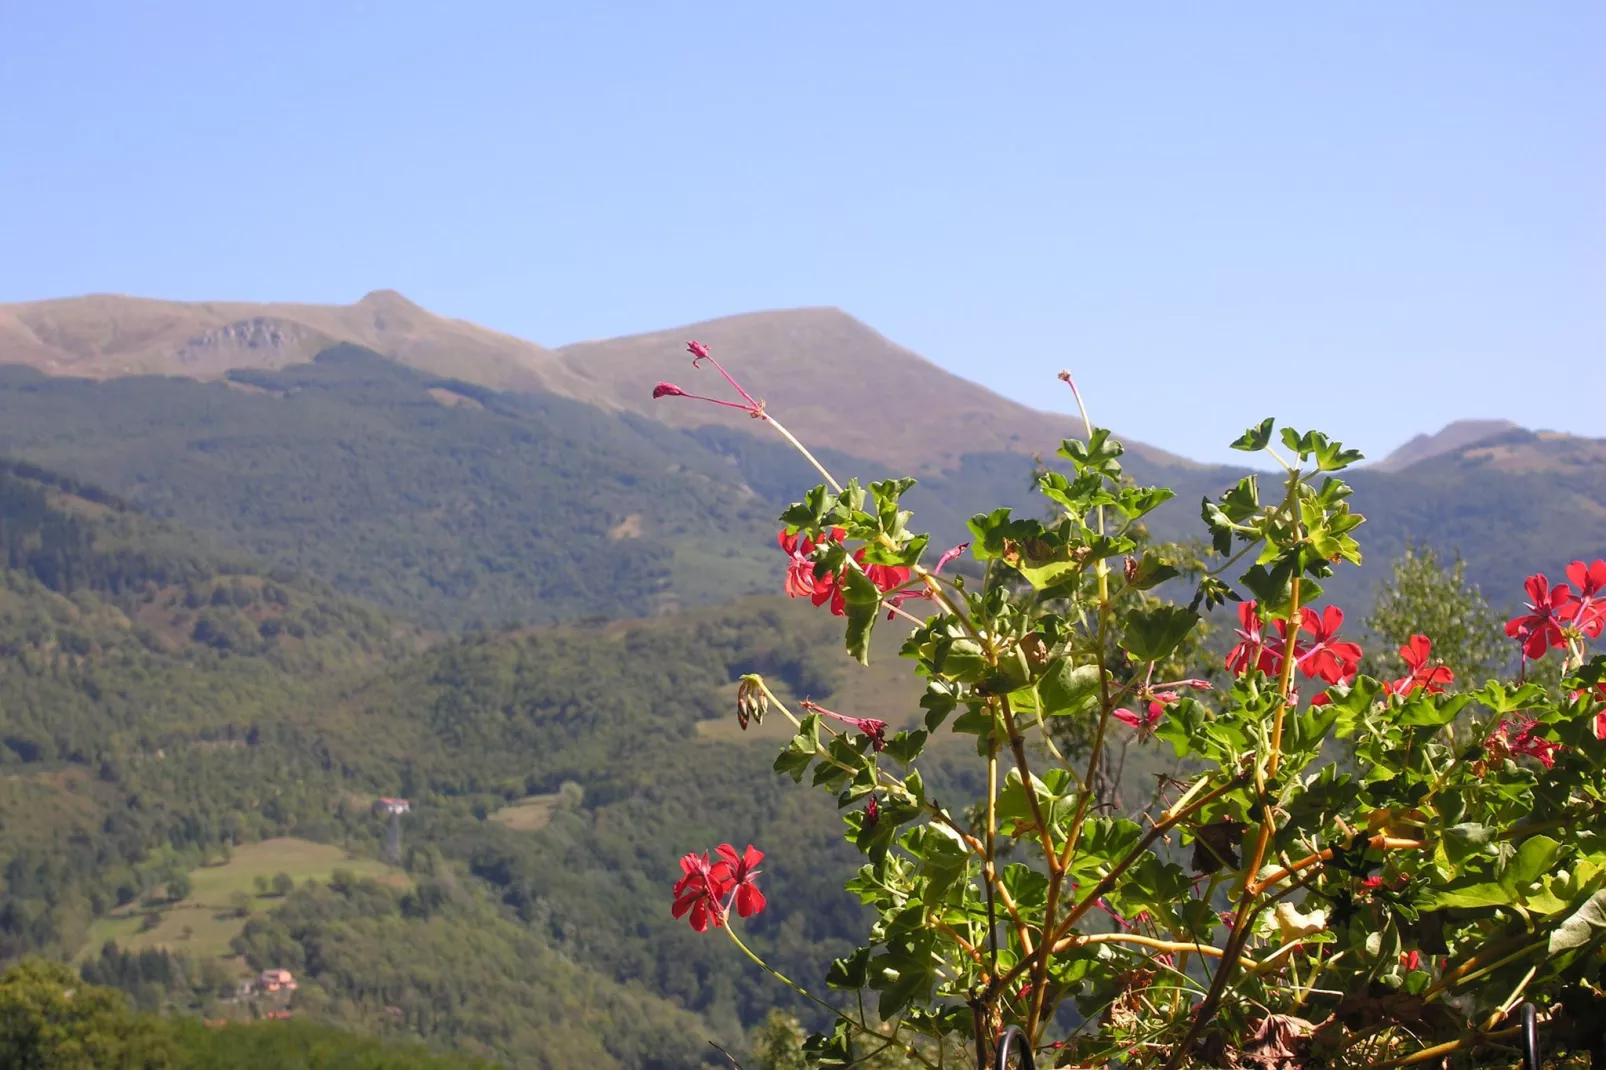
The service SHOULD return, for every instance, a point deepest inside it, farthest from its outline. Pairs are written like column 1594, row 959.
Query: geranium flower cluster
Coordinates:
column 708, row 889
column 1323, row 656
column 801, row 582
column 1556, row 615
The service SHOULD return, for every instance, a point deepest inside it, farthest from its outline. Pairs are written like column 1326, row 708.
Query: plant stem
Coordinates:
column 987, row 860
column 1240, row 927
column 1377, row 843
column 818, row 467
column 781, row 977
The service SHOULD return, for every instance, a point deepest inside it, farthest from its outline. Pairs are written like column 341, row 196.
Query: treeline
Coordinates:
column 52, row 1020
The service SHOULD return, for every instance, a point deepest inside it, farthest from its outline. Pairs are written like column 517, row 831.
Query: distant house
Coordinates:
column 394, row 806
column 276, row 981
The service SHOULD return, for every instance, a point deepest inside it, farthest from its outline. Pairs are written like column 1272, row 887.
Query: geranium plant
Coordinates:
column 1355, row 872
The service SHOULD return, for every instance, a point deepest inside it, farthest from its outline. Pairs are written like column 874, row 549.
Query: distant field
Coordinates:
column 208, row 912
column 528, row 814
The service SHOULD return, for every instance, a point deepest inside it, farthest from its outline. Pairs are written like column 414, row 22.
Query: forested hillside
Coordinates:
column 460, row 506
column 140, row 748
column 449, row 502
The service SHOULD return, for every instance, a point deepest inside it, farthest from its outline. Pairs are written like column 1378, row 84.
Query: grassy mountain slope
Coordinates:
column 107, row 335
column 1448, row 439
column 830, row 379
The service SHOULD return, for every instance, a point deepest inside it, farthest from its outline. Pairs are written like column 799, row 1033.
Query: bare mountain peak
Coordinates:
column 1452, row 437
column 390, row 301
column 835, row 381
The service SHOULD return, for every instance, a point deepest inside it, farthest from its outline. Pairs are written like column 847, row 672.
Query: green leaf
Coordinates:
column 1027, row 887
column 1274, row 588
column 794, row 760
column 1432, row 710
column 1139, row 501
column 1585, row 924
column 1472, row 896
column 1255, row 439
column 1067, row 689
column 1098, row 454
column 851, row 972
column 808, row 514
column 906, row 746
column 1154, row 633
column 862, row 599
column 1532, row 860
column 829, row 1050
column 1463, row 841
column 1503, row 698
column 1151, row 572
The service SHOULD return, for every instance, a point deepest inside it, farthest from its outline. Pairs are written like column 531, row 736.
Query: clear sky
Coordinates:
column 1369, row 217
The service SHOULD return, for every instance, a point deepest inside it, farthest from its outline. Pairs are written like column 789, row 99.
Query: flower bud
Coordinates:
column 667, row 390
column 752, row 702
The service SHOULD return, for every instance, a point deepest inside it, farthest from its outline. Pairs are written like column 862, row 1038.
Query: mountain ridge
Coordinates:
column 835, row 380
column 1452, row 437
column 783, row 353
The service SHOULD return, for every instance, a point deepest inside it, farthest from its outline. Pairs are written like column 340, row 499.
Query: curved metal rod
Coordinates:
column 1530, row 1038
column 1010, row 1037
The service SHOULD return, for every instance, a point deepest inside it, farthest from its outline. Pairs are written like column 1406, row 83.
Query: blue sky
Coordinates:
column 1371, row 218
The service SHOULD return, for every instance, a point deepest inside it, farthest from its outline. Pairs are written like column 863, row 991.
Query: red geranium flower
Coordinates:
column 1434, row 678
column 1590, row 614
column 1328, row 658
column 1251, row 651
column 740, row 869
column 1145, row 723
column 885, row 577
column 1548, row 608
column 800, row 582
column 1257, row 650
column 701, row 891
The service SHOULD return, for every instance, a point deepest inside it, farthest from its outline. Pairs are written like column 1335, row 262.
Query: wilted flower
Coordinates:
column 752, row 701
column 1519, row 738
column 874, row 730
